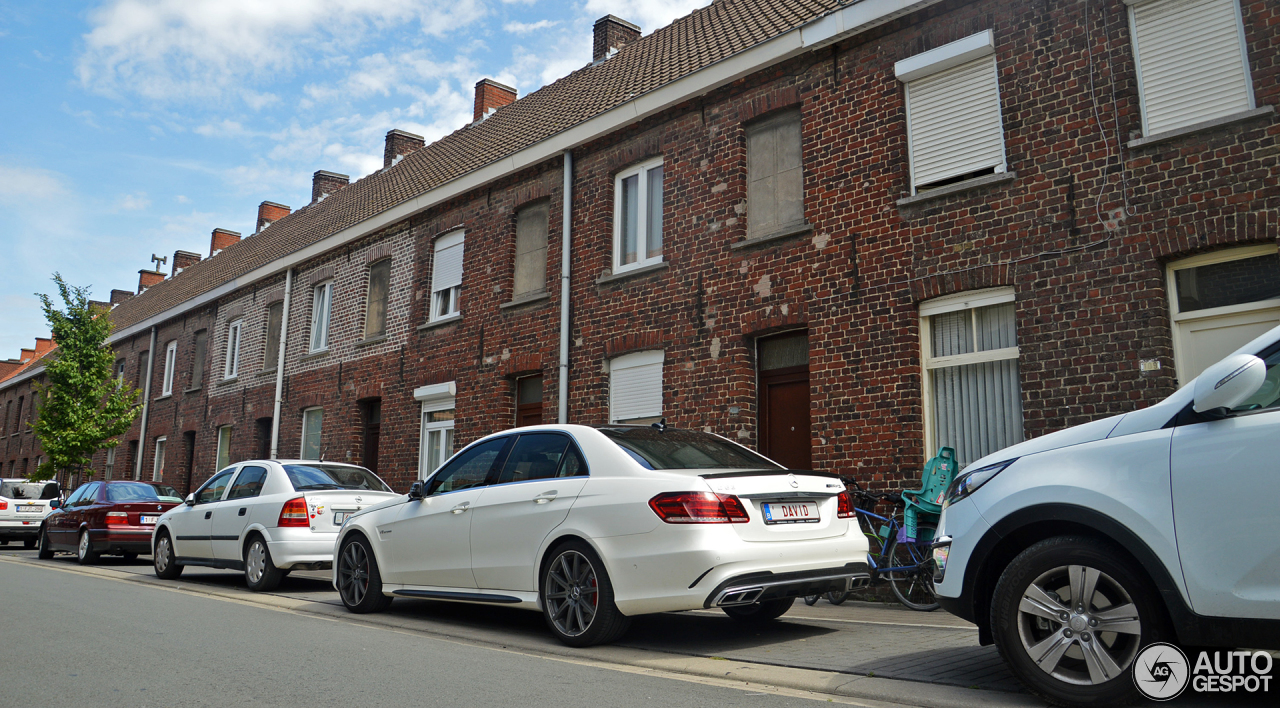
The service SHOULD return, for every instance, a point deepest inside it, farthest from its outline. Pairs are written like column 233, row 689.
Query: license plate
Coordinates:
column 148, row 519
column 339, row 517
column 29, row 508
column 791, row 513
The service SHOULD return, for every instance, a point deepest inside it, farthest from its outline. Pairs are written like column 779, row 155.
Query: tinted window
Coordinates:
column 29, row 490
column 75, row 496
column 165, row 490
column 90, row 495
column 213, row 489
column 469, row 469
column 249, row 483
column 538, row 456
column 306, row 477
column 684, row 450
column 131, row 491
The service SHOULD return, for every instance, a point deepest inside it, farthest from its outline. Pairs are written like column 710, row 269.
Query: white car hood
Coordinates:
column 1088, row 432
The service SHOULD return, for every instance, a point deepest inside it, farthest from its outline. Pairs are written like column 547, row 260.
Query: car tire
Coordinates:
column 85, row 555
column 577, row 597
column 46, row 551
column 760, row 611
column 129, row 557
column 164, row 558
column 29, row 543
column 1059, row 648
column 260, row 574
column 359, row 582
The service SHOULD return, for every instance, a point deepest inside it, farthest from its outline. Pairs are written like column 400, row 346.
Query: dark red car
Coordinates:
column 112, row 517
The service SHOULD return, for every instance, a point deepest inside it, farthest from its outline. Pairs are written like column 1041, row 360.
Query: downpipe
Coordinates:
column 146, row 408
column 566, row 225
column 284, row 337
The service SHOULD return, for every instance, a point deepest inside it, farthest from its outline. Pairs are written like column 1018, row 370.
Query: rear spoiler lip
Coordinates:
column 763, row 473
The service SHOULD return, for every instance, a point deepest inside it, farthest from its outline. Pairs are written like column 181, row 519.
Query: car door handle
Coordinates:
column 544, row 498
column 461, row 507
column 208, row 514
column 242, row 511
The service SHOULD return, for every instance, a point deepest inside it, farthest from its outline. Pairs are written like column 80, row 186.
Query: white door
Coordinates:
column 429, row 543
column 539, row 481
column 1225, row 492
column 1219, row 302
column 192, row 526
column 231, row 516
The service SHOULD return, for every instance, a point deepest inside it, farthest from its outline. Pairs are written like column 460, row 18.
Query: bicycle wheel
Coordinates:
column 836, row 598
column 811, row 600
column 913, row 587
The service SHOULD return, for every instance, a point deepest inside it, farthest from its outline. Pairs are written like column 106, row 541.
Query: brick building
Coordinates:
column 843, row 234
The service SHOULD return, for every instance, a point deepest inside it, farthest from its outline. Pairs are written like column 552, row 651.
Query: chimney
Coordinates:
column 25, row 355
column 183, row 260
column 119, row 296
column 99, row 305
column 147, row 278
column 490, row 96
column 222, row 238
column 611, row 34
column 269, row 213
column 43, row 345
column 399, row 144
column 324, row 183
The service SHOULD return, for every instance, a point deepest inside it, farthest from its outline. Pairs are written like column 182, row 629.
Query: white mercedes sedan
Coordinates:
column 592, row 526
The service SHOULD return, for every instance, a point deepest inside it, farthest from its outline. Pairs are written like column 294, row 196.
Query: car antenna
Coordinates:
column 660, row 426
column 323, row 450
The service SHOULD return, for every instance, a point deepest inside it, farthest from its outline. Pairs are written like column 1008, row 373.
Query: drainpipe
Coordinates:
column 284, row 337
column 146, row 408
column 562, row 404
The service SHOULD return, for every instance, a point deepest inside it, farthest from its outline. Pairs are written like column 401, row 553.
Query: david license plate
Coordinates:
column 791, row 513
column 144, row 519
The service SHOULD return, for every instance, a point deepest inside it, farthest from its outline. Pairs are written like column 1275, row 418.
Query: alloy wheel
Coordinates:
column 82, row 551
column 353, row 574
column 1079, row 625
column 255, row 561
column 164, row 555
column 572, row 593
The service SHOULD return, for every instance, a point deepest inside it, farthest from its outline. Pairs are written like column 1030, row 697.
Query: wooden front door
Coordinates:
column 372, row 431
column 784, row 400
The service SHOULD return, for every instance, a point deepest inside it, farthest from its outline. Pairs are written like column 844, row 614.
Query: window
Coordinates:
column 213, row 489
column 775, row 178
column 470, row 469
column 635, row 388
column 109, row 467
column 119, row 373
column 375, row 311
column 542, row 456
column 321, row 303
column 531, row 251
column 271, row 354
column 143, row 358
column 1192, row 63
column 157, row 470
column 436, row 438
column 248, row 483
column 224, row 447
column 684, row 450
column 312, row 420
column 954, row 129
column 132, row 492
column 231, row 368
column 529, row 401
column 17, row 421
column 446, row 276
column 973, row 401
column 637, row 217
column 170, row 359
column 197, row 362
column 308, row 477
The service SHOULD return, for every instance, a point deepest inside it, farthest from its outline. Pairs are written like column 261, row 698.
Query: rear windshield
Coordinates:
column 308, row 477
column 684, row 450
column 29, row 490
column 165, row 490
column 131, row 491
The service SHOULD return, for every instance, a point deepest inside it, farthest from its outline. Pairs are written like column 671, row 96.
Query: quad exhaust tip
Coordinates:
column 739, row 596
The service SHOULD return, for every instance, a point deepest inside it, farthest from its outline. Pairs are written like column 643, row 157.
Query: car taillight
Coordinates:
column 844, row 507
column 116, row 518
column 294, row 513
column 4, row 505
column 699, row 508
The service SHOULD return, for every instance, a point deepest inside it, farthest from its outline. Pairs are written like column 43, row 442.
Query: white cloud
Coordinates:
column 649, row 14
column 134, row 202
column 527, row 27
column 23, row 185
column 181, row 199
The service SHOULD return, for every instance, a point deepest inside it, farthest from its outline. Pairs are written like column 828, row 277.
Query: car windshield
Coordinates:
column 28, row 490
column 684, row 450
column 131, row 491
column 308, row 477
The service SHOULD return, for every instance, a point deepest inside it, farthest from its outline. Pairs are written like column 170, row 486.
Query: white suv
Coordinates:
column 1075, row 550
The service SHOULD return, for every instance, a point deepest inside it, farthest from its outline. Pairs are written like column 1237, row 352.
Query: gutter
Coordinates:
column 824, row 31
column 566, row 226
column 284, row 337
column 146, row 408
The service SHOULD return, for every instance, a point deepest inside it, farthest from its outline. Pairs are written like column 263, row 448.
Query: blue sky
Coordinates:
column 133, row 127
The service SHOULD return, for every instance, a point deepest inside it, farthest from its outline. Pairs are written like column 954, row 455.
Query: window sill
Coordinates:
column 783, row 233
column 371, row 341
column 958, row 187
column 526, row 299
column 228, row 381
column 162, row 398
column 632, row 273
column 193, row 389
column 1198, row 127
column 439, row 323
column 318, row 354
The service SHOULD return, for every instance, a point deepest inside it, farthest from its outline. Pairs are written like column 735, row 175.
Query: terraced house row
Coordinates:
column 841, row 233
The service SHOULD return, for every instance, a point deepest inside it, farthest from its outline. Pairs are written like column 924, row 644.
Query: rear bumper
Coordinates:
column 121, row 540
column 20, row 530
column 762, row 587
column 301, row 549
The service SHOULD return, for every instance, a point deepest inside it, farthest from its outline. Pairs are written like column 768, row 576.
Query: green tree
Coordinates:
column 82, row 408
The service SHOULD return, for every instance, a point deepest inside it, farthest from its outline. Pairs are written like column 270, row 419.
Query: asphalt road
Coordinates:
column 74, row 640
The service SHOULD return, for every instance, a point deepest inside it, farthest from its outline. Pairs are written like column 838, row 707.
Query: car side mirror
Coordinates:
column 190, row 500
column 417, row 491
column 55, row 504
column 1228, row 383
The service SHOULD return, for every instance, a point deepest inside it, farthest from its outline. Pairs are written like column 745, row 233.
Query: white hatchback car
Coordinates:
column 265, row 517
column 1075, row 550
column 23, row 505
column 595, row 525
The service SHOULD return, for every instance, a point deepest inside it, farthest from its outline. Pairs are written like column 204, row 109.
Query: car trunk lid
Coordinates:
column 783, row 505
column 327, row 509
column 135, row 511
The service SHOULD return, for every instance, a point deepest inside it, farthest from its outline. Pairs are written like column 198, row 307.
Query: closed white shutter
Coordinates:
column 447, row 271
column 1190, row 61
column 955, row 125
column 635, row 386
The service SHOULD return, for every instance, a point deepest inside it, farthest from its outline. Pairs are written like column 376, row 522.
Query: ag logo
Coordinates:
column 1161, row 671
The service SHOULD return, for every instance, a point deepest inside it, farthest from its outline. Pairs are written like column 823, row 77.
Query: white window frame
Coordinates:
column 224, row 433
column 109, row 466
column 630, row 361
column 456, row 239
column 157, row 464
column 302, row 448
column 971, row 300
column 321, row 315
column 170, row 359
column 231, row 367
column 433, row 398
column 641, row 172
